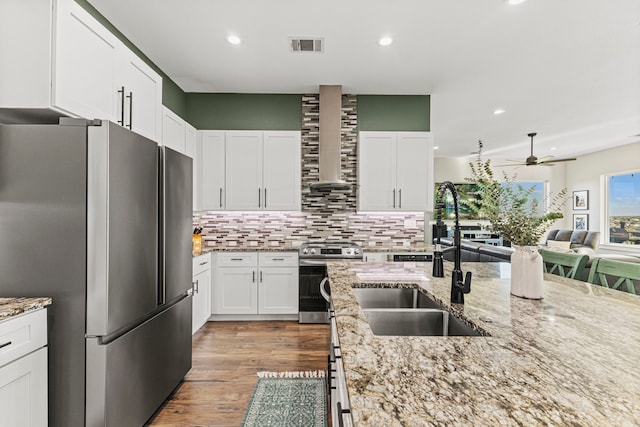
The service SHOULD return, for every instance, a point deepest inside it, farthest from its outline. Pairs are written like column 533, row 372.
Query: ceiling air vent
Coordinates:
column 300, row 44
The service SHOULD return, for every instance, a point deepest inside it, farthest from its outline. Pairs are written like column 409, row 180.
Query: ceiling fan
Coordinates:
column 534, row 161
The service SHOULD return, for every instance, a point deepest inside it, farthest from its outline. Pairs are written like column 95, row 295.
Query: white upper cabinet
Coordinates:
column 173, row 130
column 395, row 171
column 244, row 170
column 281, row 170
column 142, row 88
column 84, row 64
column 210, row 170
column 67, row 62
column 263, row 170
column 190, row 140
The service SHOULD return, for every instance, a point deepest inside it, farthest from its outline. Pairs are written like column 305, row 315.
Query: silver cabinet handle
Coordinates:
column 130, row 97
column 236, row 259
column 394, row 198
column 121, row 92
column 204, row 263
column 400, row 198
column 220, row 196
column 277, row 259
column 6, row 344
column 195, row 286
column 260, row 276
column 259, row 194
column 265, row 197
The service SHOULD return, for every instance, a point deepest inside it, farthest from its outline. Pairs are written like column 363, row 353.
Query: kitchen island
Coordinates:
column 568, row 359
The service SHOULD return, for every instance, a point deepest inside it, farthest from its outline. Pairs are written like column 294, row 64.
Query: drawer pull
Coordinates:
column 236, row 259
column 277, row 259
column 5, row 344
column 204, row 263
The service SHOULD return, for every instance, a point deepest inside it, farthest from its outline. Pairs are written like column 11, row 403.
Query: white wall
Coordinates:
column 585, row 173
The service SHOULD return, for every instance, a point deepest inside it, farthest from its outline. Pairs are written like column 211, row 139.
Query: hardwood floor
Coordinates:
column 226, row 357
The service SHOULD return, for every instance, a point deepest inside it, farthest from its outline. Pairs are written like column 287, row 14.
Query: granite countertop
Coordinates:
column 568, row 359
column 11, row 307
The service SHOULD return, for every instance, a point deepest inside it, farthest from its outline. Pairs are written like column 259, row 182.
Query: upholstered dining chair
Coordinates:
column 604, row 271
column 563, row 264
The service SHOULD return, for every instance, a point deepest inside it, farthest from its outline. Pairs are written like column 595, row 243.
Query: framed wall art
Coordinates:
column 580, row 221
column 581, row 200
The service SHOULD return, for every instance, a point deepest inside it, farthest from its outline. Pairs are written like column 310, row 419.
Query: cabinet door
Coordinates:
column 190, row 138
column 414, row 174
column 201, row 299
column 143, row 95
column 23, row 391
column 173, row 130
column 278, row 290
column 244, row 171
column 281, row 171
column 376, row 171
column 84, row 64
column 234, row 291
column 211, row 170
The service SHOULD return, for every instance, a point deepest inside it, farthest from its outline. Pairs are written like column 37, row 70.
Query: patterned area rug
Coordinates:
column 286, row 399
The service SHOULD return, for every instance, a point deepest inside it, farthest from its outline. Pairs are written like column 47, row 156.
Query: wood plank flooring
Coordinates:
column 226, row 357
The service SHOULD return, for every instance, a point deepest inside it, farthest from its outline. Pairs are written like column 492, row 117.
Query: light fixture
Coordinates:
column 436, row 147
column 499, row 111
column 233, row 39
column 515, row 1
column 552, row 149
column 385, row 41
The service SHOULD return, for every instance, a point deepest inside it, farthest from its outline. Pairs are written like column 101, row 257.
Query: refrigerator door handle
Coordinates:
column 195, row 286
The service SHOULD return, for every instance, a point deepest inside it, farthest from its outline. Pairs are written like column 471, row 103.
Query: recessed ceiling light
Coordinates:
column 234, row 39
column 385, row 41
column 499, row 111
column 515, row 1
column 436, row 147
column 552, row 149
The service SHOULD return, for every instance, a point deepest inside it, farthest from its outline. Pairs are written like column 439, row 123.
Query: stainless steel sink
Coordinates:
column 393, row 298
column 417, row 322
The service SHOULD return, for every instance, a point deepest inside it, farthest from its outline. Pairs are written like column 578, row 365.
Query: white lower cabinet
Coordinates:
column 251, row 283
column 201, row 291
column 23, row 370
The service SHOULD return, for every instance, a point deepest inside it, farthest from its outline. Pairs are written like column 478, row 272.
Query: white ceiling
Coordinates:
column 567, row 69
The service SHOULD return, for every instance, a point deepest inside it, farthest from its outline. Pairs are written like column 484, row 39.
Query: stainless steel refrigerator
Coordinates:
column 99, row 218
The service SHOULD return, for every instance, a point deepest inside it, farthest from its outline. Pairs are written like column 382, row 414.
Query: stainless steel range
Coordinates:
column 313, row 257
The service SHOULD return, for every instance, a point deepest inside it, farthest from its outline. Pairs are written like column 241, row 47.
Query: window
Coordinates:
column 623, row 208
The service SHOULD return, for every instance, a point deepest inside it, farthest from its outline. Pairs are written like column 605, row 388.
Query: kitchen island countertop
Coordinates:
column 11, row 307
column 568, row 359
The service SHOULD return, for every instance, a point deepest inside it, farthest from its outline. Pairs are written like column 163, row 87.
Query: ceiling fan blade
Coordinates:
column 558, row 160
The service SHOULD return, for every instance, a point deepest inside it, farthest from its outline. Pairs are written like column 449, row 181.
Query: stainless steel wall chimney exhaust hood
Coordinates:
column 330, row 139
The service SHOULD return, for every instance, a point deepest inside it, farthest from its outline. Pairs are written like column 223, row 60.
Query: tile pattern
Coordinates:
column 10, row 307
column 260, row 230
column 328, row 202
column 568, row 359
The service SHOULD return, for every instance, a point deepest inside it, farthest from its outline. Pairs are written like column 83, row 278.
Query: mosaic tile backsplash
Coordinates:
column 326, row 214
column 286, row 229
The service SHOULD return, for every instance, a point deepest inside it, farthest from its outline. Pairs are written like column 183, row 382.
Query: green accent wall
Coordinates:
column 394, row 112
column 244, row 111
column 172, row 96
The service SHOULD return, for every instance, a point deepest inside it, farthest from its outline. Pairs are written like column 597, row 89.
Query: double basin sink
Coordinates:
column 408, row 312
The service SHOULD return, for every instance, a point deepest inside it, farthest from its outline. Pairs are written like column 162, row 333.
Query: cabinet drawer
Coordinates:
column 237, row 259
column 22, row 335
column 278, row 259
column 201, row 263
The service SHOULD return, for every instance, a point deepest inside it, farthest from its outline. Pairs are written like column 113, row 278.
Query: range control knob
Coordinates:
column 305, row 251
column 356, row 251
column 313, row 251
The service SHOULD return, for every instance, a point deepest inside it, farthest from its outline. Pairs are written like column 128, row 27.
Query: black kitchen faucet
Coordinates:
column 458, row 287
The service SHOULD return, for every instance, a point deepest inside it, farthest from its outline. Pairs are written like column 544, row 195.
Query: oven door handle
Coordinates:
column 323, row 291
column 312, row 262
